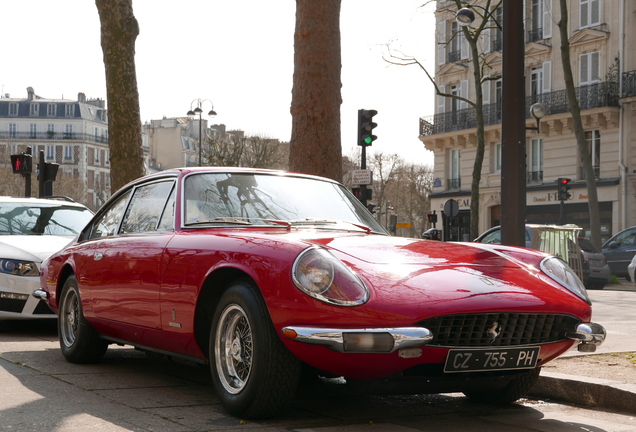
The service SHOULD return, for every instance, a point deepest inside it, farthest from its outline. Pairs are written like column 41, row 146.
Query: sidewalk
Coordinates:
column 603, row 379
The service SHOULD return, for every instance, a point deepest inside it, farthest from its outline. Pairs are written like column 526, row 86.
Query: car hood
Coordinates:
column 31, row 247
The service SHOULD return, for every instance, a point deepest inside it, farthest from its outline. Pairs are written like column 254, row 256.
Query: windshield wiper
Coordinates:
column 220, row 220
column 314, row 222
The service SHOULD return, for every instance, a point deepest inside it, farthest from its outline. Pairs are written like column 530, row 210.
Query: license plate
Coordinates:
column 459, row 360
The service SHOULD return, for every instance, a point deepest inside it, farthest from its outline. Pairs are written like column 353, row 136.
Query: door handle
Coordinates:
column 98, row 256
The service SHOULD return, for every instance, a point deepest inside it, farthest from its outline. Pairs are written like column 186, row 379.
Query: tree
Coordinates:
column 472, row 35
column 235, row 149
column 119, row 30
column 575, row 110
column 315, row 146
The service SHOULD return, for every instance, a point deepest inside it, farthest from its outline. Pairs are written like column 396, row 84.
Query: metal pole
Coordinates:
column 200, row 137
column 513, row 129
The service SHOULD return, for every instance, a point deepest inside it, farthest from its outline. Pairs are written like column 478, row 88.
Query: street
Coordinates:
column 129, row 391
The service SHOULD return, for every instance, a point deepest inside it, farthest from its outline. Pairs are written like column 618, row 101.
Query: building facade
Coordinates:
column 72, row 133
column 604, row 66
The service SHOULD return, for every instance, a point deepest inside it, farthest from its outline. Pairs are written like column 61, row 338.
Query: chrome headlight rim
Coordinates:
column 338, row 268
column 575, row 285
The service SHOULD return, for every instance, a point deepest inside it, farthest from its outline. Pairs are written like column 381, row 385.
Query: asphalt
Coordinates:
column 599, row 385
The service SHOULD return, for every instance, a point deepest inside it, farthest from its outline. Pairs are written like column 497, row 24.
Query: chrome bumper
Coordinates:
column 40, row 294
column 373, row 340
column 590, row 336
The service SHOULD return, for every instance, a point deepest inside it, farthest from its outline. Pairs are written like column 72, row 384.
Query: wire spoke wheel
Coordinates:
column 234, row 349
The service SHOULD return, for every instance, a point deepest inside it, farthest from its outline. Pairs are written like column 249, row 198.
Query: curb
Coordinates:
column 586, row 391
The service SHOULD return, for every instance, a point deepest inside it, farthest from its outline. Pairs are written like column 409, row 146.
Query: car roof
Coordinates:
column 41, row 201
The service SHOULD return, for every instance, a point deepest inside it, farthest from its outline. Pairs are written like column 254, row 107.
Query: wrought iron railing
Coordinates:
column 535, row 176
column 454, row 183
column 591, row 96
column 597, row 172
column 41, row 136
column 629, row 84
column 535, row 35
column 497, row 44
column 454, row 56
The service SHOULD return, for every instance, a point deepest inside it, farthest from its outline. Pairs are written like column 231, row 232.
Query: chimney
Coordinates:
column 30, row 93
column 81, row 97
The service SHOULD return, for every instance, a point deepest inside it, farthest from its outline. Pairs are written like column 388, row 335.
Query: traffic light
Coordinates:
column 21, row 164
column 365, row 127
column 371, row 208
column 564, row 187
column 432, row 218
column 362, row 193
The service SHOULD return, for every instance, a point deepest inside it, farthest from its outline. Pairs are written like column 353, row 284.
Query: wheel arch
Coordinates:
column 211, row 291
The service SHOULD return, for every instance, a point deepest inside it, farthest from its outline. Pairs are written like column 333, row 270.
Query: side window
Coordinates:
column 146, row 207
column 167, row 218
column 627, row 238
column 107, row 224
column 494, row 237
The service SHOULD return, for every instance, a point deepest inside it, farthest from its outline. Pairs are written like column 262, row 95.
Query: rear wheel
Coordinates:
column 253, row 373
column 79, row 341
column 515, row 389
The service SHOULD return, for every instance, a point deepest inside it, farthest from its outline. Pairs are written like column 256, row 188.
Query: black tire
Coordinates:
column 79, row 341
column 254, row 374
column 515, row 389
column 596, row 286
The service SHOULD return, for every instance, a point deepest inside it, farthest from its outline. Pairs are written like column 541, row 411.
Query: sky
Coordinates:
column 237, row 54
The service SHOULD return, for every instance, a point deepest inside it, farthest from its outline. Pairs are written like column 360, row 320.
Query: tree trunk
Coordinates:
column 575, row 109
column 119, row 29
column 315, row 146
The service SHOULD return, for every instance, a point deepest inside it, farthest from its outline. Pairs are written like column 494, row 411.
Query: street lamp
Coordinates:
column 465, row 16
column 199, row 111
column 538, row 111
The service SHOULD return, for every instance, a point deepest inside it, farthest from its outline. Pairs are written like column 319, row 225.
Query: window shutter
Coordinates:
column 463, row 92
column 486, row 43
column 595, row 69
column 595, row 12
column 441, row 41
column 441, row 101
column 584, row 12
column 485, row 90
column 547, row 19
column 584, row 69
column 463, row 47
column 547, row 77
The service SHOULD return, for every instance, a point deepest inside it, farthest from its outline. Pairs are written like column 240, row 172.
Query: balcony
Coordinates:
column 49, row 135
column 535, row 177
column 535, row 35
column 598, row 95
column 597, row 172
column 454, row 183
column 454, row 56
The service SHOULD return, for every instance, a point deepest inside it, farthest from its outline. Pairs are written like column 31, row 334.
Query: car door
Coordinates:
column 125, row 268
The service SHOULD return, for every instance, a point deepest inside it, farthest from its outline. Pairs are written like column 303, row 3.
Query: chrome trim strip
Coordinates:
column 403, row 337
column 40, row 294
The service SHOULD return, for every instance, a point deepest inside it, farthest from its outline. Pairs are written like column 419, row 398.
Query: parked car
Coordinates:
column 630, row 270
column 595, row 265
column 32, row 229
column 263, row 273
column 619, row 251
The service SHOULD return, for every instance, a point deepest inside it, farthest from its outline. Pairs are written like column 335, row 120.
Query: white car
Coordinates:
column 631, row 270
column 31, row 230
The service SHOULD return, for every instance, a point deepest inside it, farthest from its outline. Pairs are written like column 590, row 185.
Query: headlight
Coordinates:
column 322, row 276
column 19, row 268
column 558, row 270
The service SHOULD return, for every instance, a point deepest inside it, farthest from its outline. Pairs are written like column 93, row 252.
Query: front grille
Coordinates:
column 11, row 305
column 507, row 329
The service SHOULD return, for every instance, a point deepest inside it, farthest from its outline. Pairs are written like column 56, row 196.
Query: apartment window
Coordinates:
column 499, row 97
column 13, row 130
column 34, row 110
column 589, row 68
column 590, row 13
column 498, row 37
column 536, row 31
column 536, row 82
column 13, row 109
column 536, row 161
column 107, row 159
column 454, row 181
column 51, row 110
column 50, row 152
column 455, row 53
column 497, row 158
column 593, row 139
column 33, row 130
column 68, row 131
column 96, row 152
column 70, row 110
column 68, row 153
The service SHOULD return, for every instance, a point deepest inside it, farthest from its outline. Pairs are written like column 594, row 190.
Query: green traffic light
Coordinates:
column 368, row 140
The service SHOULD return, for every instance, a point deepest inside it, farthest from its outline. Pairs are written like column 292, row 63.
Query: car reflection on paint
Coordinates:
column 262, row 274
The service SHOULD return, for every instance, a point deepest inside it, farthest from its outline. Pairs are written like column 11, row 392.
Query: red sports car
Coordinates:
column 263, row 273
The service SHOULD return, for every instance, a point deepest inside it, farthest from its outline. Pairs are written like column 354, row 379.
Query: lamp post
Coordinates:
column 198, row 110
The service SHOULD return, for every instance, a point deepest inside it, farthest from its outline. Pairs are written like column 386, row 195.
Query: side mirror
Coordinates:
column 613, row 245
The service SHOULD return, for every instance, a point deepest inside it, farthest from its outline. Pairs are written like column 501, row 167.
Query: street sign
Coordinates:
column 362, row 177
column 451, row 208
column 403, row 225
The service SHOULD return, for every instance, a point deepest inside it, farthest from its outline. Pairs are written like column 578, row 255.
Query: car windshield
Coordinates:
column 42, row 219
column 588, row 246
column 262, row 199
